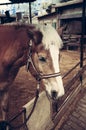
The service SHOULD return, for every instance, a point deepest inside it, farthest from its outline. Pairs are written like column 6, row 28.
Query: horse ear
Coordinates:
column 37, row 37
column 30, row 34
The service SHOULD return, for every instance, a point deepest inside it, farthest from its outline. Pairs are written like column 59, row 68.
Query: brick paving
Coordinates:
column 77, row 119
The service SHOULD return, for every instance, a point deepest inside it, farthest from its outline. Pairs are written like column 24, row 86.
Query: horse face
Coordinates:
column 47, row 62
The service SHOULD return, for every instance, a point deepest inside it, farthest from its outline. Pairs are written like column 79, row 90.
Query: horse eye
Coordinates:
column 43, row 59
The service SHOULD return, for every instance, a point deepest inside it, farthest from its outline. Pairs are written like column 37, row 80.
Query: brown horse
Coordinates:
column 20, row 43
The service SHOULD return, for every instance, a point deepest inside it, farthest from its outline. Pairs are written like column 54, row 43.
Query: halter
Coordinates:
column 38, row 76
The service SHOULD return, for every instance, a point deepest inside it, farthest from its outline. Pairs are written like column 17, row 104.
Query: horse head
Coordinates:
column 45, row 60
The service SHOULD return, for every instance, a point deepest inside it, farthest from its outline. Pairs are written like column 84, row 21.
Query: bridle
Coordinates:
column 38, row 76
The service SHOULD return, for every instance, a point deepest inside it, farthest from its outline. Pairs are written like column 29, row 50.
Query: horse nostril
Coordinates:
column 54, row 94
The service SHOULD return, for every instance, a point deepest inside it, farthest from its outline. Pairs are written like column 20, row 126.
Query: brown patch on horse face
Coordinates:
column 42, row 60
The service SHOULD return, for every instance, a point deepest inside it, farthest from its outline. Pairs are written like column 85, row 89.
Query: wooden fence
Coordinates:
column 47, row 116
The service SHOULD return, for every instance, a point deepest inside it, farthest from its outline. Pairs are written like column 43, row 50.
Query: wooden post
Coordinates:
column 82, row 36
column 83, row 33
column 30, row 12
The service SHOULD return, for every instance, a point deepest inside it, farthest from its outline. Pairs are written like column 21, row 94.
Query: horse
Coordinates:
column 38, row 48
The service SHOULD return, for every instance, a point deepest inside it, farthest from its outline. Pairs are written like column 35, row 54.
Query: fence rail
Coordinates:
column 72, row 88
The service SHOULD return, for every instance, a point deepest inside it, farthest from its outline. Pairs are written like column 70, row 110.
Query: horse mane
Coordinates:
column 50, row 35
column 18, row 25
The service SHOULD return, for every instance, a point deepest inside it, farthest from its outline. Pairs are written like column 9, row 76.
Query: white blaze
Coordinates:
column 58, row 86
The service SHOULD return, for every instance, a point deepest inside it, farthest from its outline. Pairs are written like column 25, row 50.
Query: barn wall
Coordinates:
column 68, row 20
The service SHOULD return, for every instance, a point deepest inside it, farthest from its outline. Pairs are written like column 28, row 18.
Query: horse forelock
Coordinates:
column 50, row 37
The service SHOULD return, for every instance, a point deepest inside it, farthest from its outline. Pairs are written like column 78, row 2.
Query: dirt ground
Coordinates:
column 24, row 86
